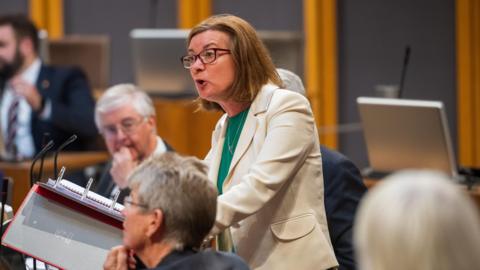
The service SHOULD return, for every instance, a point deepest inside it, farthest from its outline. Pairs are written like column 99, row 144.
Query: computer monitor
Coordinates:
column 158, row 70
column 286, row 49
column 156, row 61
column 406, row 134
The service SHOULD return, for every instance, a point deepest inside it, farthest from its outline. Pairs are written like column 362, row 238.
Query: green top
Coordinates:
column 234, row 128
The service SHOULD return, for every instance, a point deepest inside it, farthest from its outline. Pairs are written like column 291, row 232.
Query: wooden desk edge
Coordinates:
column 20, row 171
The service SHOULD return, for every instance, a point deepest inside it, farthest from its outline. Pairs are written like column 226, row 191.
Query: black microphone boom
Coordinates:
column 39, row 155
column 45, row 137
column 63, row 145
column 404, row 70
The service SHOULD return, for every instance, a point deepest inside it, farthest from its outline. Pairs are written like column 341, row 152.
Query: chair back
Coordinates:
column 89, row 52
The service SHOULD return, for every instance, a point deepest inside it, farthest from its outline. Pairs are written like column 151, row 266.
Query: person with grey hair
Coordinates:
column 171, row 209
column 291, row 81
column 417, row 220
column 125, row 117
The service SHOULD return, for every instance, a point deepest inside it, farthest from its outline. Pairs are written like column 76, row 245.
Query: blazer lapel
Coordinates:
column 259, row 105
column 216, row 155
column 244, row 141
column 43, row 82
column 2, row 87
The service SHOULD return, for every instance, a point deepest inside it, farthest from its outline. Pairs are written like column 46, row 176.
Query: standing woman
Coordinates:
column 265, row 155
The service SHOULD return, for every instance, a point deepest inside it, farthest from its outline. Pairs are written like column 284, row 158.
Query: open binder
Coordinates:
column 64, row 226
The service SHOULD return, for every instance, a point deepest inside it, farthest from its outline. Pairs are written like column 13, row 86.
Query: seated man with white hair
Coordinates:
column 125, row 116
column 170, row 211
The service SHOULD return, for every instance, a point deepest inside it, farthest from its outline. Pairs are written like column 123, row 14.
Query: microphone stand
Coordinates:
column 63, row 145
column 404, row 70
column 40, row 154
column 46, row 135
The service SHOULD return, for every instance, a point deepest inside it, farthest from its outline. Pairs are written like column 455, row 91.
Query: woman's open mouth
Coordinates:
column 201, row 83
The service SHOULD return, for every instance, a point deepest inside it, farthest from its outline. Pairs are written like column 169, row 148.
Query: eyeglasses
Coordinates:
column 128, row 126
column 206, row 56
column 128, row 202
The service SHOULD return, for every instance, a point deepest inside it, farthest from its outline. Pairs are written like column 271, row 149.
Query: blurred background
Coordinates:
column 348, row 49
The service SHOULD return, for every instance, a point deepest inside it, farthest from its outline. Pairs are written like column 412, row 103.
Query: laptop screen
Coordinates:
column 156, row 59
column 406, row 134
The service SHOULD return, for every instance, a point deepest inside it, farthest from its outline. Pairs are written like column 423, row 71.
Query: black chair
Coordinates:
column 344, row 188
column 9, row 258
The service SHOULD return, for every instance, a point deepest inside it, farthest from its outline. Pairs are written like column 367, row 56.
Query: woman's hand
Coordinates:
column 119, row 258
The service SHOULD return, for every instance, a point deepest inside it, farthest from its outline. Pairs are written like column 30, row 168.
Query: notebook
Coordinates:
column 406, row 134
column 57, row 226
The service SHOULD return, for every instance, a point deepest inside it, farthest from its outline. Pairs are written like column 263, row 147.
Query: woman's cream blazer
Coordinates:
column 273, row 193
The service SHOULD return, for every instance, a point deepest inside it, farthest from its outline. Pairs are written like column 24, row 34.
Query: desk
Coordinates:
column 474, row 192
column 20, row 171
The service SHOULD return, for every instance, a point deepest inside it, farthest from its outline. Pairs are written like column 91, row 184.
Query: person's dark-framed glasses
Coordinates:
column 206, row 56
column 128, row 202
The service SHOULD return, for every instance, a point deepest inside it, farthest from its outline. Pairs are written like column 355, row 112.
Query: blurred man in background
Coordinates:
column 125, row 117
column 37, row 99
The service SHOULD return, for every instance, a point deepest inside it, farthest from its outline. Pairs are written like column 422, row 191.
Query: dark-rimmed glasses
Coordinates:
column 128, row 202
column 206, row 56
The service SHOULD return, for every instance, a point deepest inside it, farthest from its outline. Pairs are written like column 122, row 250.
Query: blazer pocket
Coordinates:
column 293, row 228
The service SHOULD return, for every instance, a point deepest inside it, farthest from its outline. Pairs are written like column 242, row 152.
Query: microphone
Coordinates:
column 39, row 155
column 42, row 155
column 63, row 145
column 404, row 70
column 45, row 137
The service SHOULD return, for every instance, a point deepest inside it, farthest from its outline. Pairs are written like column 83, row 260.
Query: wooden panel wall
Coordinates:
column 468, row 80
column 48, row 15
column 187, row 130
column 191, row 12
column 321, row 64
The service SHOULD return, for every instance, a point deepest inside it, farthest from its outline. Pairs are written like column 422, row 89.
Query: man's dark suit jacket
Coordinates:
column 343, row 190
column 204, row 260
column 72, row 108
column 106, row 184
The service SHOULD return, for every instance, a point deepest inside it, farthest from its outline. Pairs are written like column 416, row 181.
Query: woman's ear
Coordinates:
column 156, row 222
column 152, row 123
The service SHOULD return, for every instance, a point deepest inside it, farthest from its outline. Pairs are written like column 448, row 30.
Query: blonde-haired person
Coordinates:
column 417, row 220
column 265, row 154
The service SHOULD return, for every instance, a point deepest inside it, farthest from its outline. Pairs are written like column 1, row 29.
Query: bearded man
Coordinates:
column 37, row 99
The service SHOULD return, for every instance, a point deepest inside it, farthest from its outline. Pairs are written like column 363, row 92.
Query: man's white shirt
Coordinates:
column 24, row 137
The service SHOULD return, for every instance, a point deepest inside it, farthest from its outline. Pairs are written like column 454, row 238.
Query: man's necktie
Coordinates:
column 12, row 125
